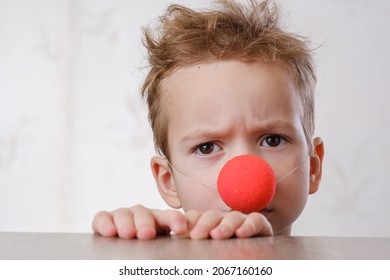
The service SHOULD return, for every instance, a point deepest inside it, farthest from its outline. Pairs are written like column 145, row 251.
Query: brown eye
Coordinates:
column 272, row 141
column 206, row 148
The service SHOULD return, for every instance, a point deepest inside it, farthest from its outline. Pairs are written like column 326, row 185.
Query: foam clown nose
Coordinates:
column 246, row 183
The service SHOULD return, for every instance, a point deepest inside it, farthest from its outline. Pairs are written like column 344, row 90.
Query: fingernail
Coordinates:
column 179, row 227
column 243, row 231
column 146, row 233
column 199, row 232
column 221, row 232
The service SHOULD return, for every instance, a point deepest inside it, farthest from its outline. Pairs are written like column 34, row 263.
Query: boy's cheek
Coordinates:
column 201, row 198
column 290, row 199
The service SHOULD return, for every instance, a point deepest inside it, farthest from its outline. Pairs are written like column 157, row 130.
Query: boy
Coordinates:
column 223, row 83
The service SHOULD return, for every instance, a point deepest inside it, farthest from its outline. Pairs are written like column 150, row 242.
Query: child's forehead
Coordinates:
column 210, row 75
column 209, row 83
column 218, row 68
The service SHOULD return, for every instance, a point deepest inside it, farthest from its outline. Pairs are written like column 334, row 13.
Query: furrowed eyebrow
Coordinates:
column 207, row 134
column 201, row 135
column 278, row 124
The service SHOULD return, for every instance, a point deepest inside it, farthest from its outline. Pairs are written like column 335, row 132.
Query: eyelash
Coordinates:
column 197, row 147
column 282, row 139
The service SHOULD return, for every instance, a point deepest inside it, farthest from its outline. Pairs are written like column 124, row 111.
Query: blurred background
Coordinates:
column 74, row 135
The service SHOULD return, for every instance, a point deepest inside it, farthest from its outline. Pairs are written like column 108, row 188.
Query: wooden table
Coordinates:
column 89, row 246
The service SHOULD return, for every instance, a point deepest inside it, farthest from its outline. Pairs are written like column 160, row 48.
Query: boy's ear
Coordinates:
column 316, row 165
column 164, row 179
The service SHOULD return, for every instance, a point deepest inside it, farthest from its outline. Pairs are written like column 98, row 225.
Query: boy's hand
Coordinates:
column 222, row 225
column 143, row 223
column 139, row 222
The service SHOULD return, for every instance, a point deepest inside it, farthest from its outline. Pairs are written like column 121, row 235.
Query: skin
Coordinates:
column 216, row 111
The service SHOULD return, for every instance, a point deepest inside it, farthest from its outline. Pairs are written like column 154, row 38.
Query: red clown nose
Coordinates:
column 246, row 183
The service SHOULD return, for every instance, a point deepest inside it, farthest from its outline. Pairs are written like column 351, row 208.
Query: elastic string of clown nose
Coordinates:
column 189, row 178
column 245, row 183
column 215, row 187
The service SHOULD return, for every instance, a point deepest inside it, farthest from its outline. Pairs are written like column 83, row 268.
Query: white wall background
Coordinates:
column 74, row 136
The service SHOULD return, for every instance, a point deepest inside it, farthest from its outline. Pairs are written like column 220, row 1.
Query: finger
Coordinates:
column 144, row 222
column 103, row 224
column 124, row 222
column 192, row 218
column 206, row 222
column 227, row 227
column 254, row 224
column 170, row 221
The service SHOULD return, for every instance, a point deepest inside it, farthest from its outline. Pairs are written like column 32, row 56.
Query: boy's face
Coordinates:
column 223, row 109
